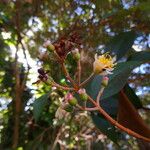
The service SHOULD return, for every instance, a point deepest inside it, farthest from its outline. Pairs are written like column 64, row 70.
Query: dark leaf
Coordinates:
column 121, row 43
column 105, row 127
column 119, row 77
column 134, row 99
column 140, row 56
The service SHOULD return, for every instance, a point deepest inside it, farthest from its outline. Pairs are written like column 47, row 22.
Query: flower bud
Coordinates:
column 70, row 99
column 50, row 47
column 73, row 101
column 83, row 95
column 105, row 81
column 76, row 54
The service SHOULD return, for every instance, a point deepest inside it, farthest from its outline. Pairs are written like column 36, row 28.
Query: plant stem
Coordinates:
column 62, row 87
column 79, row 72
column 68, row 76
column 115, row 123
column 87, row 80
column 100, row 94
column 87, row 109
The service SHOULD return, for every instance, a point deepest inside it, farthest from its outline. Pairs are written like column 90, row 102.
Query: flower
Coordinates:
column 104, row 64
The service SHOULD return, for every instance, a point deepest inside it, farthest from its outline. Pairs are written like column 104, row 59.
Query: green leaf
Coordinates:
column 105, row 127
column 119, row 77
column 121, row 43
column 132, row 96
column 39, row 105
column 140, row 56
column 93, row 86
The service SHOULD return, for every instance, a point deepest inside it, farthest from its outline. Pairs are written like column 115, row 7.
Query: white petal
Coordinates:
column 110, row 69
column 114, row 59
column 109, row 72
column 104, row 73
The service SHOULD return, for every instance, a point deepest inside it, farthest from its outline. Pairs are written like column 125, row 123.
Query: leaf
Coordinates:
column 129, row 117
column 119, row 78
column 93, row 86
column 134, row 99
column 39, row 105
column 105, row 127
column 140, row 56
column 121, row 43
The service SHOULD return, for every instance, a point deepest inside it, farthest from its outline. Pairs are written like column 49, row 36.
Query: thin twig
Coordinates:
column 68, row 76
column 87, row 108
column 100, row 94
column 87, row 80
column 79, row 71
column 62, row 87
column 24, row 52
column 57, row 138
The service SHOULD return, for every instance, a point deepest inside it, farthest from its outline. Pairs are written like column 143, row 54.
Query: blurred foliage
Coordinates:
column 119, row 26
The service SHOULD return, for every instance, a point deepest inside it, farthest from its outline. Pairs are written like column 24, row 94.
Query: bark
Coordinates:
column 17, row 107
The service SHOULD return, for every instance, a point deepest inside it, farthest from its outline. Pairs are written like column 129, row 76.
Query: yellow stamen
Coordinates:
column 106, row 59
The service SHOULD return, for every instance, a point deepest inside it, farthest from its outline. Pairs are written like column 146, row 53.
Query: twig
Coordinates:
column 40, row 136
column 62, row 87
column 24, row 52
column 100, row 94
column 68, row 76
column 87, row 80
column 79, row 72
column 86, row 108
column 115, row 123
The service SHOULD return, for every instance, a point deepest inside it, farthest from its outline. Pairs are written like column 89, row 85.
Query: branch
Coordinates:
column 86, row 108
column 115, row 123
column 62, row 87
column 87, row 80
column 57, row 138
column 79, row 71
column 68, row 76
column 100, row 94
